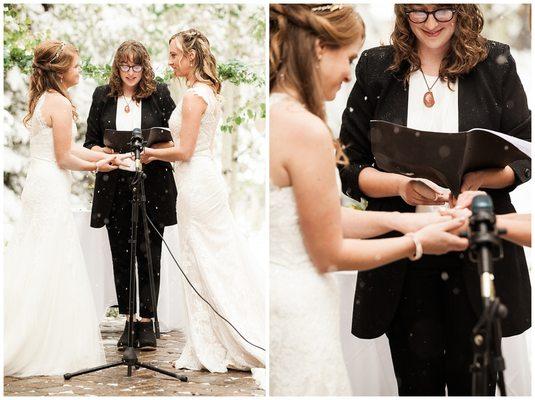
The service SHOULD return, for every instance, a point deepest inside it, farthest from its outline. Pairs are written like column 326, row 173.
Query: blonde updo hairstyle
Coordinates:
column 204, row 63
column 293, row 32
column 51, row 58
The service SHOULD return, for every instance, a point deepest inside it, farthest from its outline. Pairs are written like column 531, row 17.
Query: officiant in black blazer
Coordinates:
column 428, row 307
column 132, row 99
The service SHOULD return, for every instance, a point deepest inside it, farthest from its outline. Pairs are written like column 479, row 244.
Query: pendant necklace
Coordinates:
column 429, row 99
column 127, row 107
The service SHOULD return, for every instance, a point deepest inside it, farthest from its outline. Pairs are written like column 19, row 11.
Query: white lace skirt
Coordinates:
column 216, row 259
column 50, row 324
column 305, row 350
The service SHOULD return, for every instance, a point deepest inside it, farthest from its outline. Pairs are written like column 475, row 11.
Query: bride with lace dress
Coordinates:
column 213, row 254
column 50, row 322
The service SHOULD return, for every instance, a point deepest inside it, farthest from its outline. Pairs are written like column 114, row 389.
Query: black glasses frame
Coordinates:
column 408, row 14
column 130, row 67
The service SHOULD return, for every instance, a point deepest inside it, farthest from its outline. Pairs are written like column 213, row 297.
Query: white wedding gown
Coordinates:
column 50, row 323
column 305, row 349
column 215, row 258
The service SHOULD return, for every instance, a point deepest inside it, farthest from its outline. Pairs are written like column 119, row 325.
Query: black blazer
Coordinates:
column 490, row 96
column 160, row 186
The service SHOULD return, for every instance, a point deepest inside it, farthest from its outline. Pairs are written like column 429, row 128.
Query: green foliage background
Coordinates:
column 236, row 33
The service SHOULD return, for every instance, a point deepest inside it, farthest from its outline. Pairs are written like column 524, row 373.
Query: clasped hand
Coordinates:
column 113, row 161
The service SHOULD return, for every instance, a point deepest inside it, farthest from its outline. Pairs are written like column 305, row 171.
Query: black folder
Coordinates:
column 443, row 158
column 119, row 141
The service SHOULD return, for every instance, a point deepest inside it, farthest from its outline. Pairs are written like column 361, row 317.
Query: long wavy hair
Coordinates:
column 51, row 59
column 467, row 46
column 204, row 63
column 134, row 52
column 293, row 32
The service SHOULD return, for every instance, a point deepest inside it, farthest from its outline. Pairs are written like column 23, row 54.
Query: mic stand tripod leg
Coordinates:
column 150, row 269
column 130, row 357
column 488, row 365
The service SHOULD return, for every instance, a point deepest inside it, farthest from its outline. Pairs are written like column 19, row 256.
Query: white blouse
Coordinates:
column 442, row 117
column 128, row 121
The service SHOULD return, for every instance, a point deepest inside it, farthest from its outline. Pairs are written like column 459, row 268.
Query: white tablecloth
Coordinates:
column 370, row 364
column 98, row 261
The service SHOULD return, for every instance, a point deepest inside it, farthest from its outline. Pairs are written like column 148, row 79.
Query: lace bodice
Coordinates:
column 41, row 137
column 209, row 121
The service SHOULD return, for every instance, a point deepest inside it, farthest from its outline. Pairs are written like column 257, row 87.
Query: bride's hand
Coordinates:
column 123, row 160
column 105, row 164
column 147, row 156
column 412, row 222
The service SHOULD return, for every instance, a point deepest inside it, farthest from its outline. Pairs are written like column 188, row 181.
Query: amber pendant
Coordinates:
column 429, row 100
column 127, row 108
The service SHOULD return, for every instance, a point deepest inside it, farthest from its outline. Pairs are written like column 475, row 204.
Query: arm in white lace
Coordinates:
column 193, row 108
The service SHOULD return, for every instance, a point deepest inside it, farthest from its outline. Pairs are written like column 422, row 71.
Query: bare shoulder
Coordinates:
column 56, row 101
column 293, row 123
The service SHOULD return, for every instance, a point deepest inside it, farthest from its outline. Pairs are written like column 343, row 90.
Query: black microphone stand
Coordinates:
column 138, row 198
column 485, row 247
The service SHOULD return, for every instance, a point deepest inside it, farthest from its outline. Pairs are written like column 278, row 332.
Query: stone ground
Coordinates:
column 143, row 382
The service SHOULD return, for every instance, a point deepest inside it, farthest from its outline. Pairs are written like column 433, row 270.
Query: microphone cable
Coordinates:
column 196, row 291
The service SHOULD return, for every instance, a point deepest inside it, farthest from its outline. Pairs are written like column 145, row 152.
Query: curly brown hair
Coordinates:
column 51, row 58
column 132, row 51
column 467, row 46
column 204, row 63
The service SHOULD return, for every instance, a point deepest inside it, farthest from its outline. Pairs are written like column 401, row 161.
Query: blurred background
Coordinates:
column 236, row 33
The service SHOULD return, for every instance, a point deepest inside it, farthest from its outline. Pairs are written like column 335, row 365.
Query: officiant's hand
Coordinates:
column 417, row 192
column 162, row 145
column 104, row 149
column 490, row 178
column 473, row 180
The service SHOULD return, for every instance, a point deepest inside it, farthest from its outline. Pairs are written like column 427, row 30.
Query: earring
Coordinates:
column 319, row 60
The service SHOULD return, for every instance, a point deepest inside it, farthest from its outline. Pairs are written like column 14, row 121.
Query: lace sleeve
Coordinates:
column 204, row 92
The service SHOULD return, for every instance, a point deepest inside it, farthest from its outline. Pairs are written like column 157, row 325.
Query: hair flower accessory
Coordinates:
column 58, row 53
column 327, row 8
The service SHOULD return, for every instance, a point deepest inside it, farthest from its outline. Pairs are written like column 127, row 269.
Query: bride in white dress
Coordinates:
column 310, row 233
column 50, row 324
column 212, row 252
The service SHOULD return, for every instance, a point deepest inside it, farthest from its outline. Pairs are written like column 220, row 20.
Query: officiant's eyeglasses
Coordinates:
column 135, row 68
column 440, row 15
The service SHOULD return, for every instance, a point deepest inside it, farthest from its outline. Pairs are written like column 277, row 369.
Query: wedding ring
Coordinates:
column 436, row 196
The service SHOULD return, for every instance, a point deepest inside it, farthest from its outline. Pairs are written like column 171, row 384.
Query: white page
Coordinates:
column 523, row 145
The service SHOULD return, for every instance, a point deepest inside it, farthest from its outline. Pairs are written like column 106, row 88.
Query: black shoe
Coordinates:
column 123, row 340
column 146, row 336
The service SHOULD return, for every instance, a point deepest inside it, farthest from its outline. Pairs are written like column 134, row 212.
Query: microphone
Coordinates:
column 136, row 143
column 485, row 245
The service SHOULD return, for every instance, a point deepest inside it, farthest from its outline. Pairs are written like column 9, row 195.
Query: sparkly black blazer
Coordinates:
column 159, row 185
column 491, row 96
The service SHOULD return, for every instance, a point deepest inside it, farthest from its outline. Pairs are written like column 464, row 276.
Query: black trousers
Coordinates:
column 118, row 228
column 430, row 336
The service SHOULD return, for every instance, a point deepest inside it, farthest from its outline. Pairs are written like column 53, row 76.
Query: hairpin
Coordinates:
column 58, row 52
column 328, row 7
